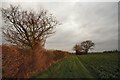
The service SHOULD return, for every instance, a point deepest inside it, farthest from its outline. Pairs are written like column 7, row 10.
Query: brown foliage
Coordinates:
column 11, row 60
column 18, row 63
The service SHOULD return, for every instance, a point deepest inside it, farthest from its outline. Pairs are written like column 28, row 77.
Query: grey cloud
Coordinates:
column 99, row 21
column 96, row 21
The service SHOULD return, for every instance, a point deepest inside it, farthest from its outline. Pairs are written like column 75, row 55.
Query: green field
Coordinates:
column 84, row 66
column 102, row 65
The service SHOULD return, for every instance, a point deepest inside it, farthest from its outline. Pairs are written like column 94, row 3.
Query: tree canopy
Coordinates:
column 27, row 28
column 87, row 45
column 84, row 46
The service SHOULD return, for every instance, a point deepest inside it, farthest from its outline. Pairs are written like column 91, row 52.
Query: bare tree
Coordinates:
column 27, row 28
column 87, row 45
column 77, row 48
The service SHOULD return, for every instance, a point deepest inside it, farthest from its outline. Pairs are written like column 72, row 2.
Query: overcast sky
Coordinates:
column 96, row 21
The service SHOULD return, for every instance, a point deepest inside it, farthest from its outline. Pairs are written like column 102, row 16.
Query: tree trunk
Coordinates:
column 77, row 52
column 34, row 52
column 86, row 51
column 33, row 58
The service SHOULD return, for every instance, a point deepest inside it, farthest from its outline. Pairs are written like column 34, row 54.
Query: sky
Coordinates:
column 80, row 21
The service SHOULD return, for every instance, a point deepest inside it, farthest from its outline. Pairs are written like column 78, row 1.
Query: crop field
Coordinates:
column 102, row 65
column 84, row 66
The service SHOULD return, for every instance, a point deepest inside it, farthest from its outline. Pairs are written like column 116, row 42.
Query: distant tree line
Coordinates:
column 85, row 46
column 111, row 51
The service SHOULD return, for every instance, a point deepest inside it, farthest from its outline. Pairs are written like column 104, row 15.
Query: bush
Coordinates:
column 11, row 60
